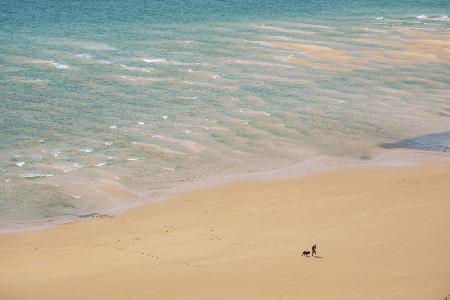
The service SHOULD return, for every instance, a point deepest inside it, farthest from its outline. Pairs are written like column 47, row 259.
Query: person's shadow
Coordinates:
column 318, row 256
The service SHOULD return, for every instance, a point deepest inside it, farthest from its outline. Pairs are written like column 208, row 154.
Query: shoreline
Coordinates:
column 315, row 164
column 375, row 228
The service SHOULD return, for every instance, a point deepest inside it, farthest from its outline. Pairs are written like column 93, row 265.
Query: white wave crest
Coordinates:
column 154, row 60
column 254, row 112
column 58, row 65
column 84, row 56
column 145, row 70
column 87, row 150
column 101, row 164
column 105, row 62
column 36, row 175
column 21, row 164
column 69, row 168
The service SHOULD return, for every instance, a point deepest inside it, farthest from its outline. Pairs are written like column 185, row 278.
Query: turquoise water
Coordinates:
column 146, row 95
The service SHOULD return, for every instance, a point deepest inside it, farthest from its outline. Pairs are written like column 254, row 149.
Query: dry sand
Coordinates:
column 382, row 233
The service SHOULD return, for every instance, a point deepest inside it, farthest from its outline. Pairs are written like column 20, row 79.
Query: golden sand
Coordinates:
column 416, row 47
column 316, row 51
column 381, row 234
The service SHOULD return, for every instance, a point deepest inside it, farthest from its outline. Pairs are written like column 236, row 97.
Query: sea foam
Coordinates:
column 87, row 150
column 154, row 60
column 21, row 164
column 58, row 65
column 36, row 175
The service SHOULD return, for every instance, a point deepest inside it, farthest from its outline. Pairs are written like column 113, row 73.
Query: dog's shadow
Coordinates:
column 320, row 257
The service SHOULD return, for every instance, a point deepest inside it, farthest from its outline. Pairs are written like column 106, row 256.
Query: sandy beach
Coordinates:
column 382, row 233
column 195, row 149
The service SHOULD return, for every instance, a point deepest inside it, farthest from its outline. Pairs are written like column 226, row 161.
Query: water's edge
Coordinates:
column 313, row 166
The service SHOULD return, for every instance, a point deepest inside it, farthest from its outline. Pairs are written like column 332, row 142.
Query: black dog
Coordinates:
column 306, row 253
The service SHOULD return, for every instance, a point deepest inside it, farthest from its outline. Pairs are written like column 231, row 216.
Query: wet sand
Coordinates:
column 382, row 233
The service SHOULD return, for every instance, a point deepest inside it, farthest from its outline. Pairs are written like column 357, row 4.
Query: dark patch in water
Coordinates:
column 439, row 142
column 94, row 215
column 365, row 157
column 443, row 114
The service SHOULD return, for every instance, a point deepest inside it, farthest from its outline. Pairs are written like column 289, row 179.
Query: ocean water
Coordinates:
column 106, row 104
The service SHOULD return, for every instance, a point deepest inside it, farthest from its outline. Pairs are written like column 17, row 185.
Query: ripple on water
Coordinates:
column 154, row 107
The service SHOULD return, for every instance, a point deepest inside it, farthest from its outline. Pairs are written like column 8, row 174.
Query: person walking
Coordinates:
column 313, row 250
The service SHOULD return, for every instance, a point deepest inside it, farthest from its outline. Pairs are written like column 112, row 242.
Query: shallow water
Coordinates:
column 144, row 95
